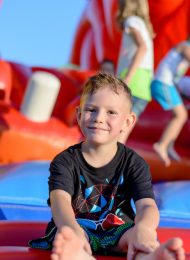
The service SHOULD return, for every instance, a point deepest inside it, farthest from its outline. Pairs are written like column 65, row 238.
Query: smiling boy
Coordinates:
column 92, row 183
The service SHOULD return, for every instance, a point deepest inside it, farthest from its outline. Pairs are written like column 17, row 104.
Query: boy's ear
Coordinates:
column 129, row 122
column 78, row 114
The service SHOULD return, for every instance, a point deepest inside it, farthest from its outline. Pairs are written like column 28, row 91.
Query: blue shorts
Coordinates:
column 101, row 241
column 139, row 105
column 166, row 95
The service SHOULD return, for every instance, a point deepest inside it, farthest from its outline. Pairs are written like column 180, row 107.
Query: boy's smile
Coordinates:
column 96, row 129
column 103, row 115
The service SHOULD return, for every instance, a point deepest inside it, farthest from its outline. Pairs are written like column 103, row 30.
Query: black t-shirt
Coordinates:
column 102, row 196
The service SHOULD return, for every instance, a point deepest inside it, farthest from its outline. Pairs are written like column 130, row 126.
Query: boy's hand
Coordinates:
column 143, row 239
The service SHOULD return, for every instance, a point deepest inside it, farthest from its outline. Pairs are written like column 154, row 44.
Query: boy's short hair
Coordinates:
column 101, row 80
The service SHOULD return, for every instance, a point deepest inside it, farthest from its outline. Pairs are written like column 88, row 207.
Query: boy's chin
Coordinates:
column 99, row 141
column 95, row 142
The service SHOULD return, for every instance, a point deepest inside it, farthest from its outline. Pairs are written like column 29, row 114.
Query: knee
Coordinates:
column 181, row 115
column 184, row 116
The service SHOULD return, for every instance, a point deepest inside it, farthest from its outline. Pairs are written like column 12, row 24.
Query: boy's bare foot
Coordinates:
column 172, row 249
column 162, row 154
column 68, row 246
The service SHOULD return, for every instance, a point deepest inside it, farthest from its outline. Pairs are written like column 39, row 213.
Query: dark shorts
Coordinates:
column 101, row 241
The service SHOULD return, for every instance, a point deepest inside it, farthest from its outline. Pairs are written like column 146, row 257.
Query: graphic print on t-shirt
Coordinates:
column 97, row 206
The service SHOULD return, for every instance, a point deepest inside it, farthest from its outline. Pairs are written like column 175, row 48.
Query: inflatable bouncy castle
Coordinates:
column 97, row 37
column 37, row 120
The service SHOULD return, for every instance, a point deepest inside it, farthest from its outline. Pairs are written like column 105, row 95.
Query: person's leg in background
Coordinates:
column 164, row 147
column 169, row 99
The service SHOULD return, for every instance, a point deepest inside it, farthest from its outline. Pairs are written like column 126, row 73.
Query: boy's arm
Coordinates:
column 144, row 235
column 62, row 210
column 63, row 214
column 147, row 213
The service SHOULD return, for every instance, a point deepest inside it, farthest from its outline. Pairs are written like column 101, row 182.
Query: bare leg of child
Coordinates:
column 171, row 133
column 68, row 246
column 172, row 153
column 162, row 153
column 172, row 249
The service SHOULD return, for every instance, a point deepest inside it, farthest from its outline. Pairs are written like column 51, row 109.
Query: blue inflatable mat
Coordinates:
column 24, row 193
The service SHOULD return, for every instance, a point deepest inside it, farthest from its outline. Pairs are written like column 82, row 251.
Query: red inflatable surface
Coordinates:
column 15, row 235
column 44, row 140
column 97, row 37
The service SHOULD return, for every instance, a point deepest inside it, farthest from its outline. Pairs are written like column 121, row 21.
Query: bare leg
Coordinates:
column 172, row 153
column 68, row 246
column 171, row 133
column 162, row 153
column 172, row 249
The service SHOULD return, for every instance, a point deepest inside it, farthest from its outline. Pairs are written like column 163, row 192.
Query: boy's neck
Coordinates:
column 98, row 155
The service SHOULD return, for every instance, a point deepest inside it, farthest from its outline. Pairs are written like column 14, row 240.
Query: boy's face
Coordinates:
column 103, row 115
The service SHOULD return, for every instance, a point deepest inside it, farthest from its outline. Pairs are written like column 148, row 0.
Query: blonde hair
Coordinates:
column 134, row 7
column 101, row 80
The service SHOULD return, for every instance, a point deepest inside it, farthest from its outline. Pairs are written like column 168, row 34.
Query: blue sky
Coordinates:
column 39, row 32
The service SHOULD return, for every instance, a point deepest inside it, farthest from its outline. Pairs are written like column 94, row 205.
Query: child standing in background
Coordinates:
column 167, row 77
column 135, row 63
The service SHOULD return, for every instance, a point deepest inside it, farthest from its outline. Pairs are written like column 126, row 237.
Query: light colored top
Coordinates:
column 129, row 47
column 171, row 67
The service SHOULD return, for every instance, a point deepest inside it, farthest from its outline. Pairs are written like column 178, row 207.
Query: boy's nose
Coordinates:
column 98, row 117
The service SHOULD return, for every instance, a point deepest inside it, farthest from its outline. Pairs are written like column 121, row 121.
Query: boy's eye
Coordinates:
column 89, row 109
column 112, row 112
